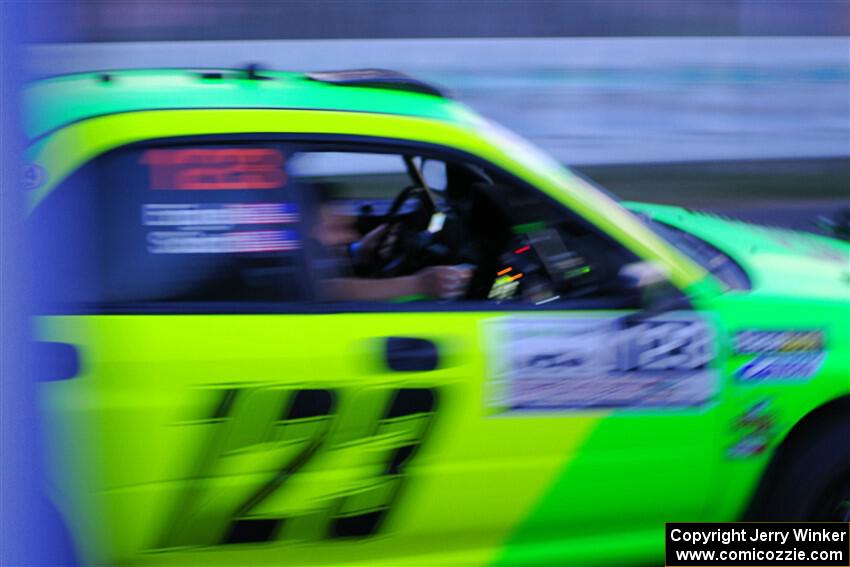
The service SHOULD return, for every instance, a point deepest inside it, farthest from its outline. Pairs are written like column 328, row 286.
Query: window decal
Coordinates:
column 194, row 214
column 221, row 242
column 209, row 228
column 205, row 169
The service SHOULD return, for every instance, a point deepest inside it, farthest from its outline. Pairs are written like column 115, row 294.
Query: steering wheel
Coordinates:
column 394, row 258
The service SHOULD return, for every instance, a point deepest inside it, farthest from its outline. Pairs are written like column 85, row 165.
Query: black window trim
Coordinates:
column 236, row 308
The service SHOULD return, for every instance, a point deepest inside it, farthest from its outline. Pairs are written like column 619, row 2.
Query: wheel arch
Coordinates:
column 809, row 426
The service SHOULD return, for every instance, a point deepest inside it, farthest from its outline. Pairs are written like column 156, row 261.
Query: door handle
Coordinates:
column 411, row 354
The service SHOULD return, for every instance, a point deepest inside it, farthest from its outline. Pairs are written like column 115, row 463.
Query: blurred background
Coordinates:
column 740, row 106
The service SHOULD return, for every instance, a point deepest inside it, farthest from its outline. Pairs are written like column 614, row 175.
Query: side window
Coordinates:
column 173, row 223
column 235, row 222
column 353, row 176
column 399, row 226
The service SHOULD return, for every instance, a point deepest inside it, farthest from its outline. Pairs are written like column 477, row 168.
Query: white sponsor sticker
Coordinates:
column 600, row 362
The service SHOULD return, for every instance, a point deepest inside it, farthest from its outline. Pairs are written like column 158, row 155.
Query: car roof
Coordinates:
column 58, row 101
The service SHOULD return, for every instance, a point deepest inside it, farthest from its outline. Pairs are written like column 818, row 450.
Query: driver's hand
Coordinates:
column 366, row 248
column 444, row 282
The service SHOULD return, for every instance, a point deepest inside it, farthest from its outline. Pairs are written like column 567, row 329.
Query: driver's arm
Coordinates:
column 445, row 282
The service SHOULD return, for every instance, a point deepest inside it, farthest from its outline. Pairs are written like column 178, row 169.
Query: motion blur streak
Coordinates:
column 18, row 518
column 31, row 532
column 593, row 100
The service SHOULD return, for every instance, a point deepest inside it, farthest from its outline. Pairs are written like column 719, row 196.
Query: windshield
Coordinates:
column 720, row 265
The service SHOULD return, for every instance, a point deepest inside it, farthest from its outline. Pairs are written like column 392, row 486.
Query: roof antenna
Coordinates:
column 252, row 72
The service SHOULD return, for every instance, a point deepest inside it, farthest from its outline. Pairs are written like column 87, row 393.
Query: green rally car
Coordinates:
column 338, row 318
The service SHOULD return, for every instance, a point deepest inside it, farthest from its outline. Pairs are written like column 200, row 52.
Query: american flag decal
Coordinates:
column 230, row 214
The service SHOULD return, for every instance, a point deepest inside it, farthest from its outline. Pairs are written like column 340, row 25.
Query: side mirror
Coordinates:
column 643, row 275
column 651, row 281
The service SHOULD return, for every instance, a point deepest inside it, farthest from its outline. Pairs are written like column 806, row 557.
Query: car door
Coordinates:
column 207, row 407
column 217, row 408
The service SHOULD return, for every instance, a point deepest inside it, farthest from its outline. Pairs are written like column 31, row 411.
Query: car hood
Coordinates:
column 776, row 260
